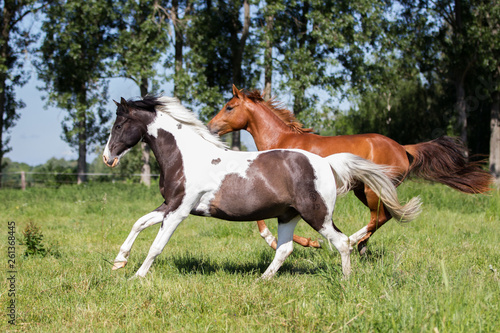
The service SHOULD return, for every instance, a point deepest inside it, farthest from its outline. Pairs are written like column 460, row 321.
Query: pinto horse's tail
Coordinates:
column 350, row 169
column 444, row 160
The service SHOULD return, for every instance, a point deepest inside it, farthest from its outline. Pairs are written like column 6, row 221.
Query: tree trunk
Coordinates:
column 460, row 75
column 145, row 150
column 82, row 147
column 146, row 166
column 495, row 137
column 2, row 111
column 268, row 60
column 299, row 94
column 179, row 44
column 461, row 108
column 210, row 65
column 237, row 62
column 4, row 43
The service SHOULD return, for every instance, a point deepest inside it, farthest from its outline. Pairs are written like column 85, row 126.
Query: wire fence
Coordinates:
column 23, row 179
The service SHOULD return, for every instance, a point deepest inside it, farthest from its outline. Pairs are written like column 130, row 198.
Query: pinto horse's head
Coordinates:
column 232, row 117
column 126, row 132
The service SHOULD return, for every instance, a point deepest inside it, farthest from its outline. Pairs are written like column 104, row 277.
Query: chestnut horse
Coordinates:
column 200, row 176
column 441, row 160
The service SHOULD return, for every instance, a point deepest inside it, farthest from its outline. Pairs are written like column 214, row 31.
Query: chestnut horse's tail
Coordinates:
column 444, row 160
column 350, row 169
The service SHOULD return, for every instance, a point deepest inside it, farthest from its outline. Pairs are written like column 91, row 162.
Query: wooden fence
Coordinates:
column 23, row 179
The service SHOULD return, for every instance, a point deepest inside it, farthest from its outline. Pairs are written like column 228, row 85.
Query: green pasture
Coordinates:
column 439, row 273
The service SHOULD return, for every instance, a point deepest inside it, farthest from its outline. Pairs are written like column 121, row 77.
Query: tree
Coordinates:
column 298, row 51
column 180, row 26
column 385, row 82
column 141, row 42
column 13, row 42
column 238, row 47
column 487, row 33
column 268, row 39
column 221, row 52
column 321, row 46
column 78, row 43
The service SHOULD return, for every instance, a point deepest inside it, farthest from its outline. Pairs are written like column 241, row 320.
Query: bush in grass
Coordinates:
column 33, row 239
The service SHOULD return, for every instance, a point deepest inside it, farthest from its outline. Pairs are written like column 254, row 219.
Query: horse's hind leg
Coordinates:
column 340, row 241
column 378, row 217
column 285, row 246
column 147, row 220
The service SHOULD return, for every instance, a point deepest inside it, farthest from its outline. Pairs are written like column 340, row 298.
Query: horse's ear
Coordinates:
column 117, row 104
column 236, row 92
column 123, row 103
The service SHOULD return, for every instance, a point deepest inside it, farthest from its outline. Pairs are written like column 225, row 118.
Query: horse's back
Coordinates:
column 375, row 147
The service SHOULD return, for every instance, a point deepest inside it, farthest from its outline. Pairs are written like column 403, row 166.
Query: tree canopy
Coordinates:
column 15, row 40
column 411, row 70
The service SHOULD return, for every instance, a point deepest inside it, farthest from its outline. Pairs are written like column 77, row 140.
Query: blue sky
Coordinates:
column 36, row 137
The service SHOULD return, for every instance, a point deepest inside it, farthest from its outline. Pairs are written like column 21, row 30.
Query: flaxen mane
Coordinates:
column 173, row 107
column 276, row 107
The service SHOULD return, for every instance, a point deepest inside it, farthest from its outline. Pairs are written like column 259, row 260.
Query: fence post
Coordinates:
column 23, row 180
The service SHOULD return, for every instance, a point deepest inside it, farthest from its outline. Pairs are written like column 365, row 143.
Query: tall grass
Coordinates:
column 437, row 273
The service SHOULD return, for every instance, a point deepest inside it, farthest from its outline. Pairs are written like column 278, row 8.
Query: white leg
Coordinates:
column 358, row 235
column 170, row 223
column 285, row 247
column 268, row 236
column 141, row 224
column 341, row 243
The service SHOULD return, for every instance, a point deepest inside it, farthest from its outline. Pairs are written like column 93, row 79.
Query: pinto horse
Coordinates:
column 442, row 160
column 200, row 176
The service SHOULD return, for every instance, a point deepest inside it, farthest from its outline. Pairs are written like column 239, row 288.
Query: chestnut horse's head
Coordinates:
column 128, row 129
column 232, row 117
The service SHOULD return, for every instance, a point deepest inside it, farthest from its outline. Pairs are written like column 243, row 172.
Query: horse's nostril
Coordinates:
column 105, row 159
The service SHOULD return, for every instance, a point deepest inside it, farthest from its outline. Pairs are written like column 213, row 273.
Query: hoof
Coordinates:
column 118, row 265
column 316, row 244
column 362, row 248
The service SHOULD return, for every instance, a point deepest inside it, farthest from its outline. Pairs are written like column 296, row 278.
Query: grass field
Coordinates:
column 439, row 273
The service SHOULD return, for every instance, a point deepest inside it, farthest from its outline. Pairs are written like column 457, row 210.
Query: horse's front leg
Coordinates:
column 285, row 247
column 266, row 234
column 170, row 223
column 147, row 220
column 271, row 240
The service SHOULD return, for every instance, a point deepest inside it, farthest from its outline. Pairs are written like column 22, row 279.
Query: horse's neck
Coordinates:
column 266, row 128
column 173, row 141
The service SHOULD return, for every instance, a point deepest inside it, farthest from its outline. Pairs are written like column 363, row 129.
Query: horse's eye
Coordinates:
column 118, row 127
column 229, row 108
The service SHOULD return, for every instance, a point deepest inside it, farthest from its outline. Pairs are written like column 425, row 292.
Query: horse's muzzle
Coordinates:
column 216, row 130
column 212, row 130
column 107, row 161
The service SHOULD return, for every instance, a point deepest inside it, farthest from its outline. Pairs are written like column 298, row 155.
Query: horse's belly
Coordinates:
column 248, row 209
column 243, row 206
column 271, row 186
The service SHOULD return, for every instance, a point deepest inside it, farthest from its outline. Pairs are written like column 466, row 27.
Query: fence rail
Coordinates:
column 23, row 179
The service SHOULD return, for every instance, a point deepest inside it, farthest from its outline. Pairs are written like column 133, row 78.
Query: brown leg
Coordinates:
column 378, row 217
column 305, row 242
column 266, row 234
column 271, row 240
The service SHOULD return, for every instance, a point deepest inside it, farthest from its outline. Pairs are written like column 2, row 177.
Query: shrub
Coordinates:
column 33, row 238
